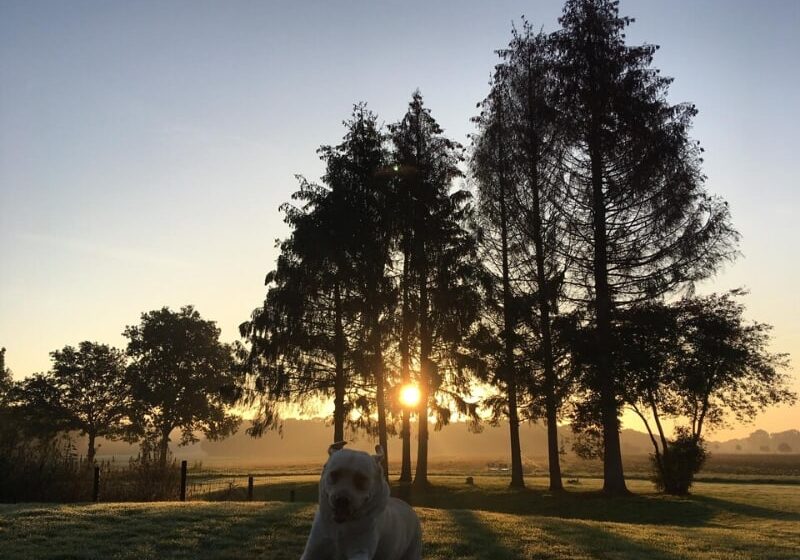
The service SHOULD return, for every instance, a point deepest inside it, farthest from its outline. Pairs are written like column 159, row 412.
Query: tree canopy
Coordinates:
column 180, row 377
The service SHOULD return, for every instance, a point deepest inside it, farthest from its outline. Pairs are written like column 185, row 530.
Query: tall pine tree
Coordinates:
column 642, row 222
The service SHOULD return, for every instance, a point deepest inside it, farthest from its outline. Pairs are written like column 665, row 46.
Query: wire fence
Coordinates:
column 191, row 484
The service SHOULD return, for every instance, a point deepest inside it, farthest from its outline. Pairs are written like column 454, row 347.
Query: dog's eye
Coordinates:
column 334, row 476
column 360, row 481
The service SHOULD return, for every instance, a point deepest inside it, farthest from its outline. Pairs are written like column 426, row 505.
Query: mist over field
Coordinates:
column 305, row 441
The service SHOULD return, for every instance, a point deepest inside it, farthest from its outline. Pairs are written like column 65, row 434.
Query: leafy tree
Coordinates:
column 728, row 368
column 181, row 377
column 92, row 390
column 641, row 221
column 34, row 403
column 695, row 361
column 442, row 262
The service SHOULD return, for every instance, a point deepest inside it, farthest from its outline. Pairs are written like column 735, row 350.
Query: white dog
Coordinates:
column 356, row 519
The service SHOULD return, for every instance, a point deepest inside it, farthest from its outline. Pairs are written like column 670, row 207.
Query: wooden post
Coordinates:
column 183, row 481
column 250, row 488
column 291, row 495
column 96, row 485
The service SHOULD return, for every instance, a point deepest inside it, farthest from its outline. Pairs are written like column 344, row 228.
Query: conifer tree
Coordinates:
column 642, row 223
column 443, row 265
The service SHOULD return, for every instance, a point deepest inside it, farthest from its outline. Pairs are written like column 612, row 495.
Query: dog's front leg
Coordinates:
column 319, row 546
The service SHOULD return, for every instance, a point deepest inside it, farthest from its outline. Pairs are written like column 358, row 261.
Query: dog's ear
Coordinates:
column 378, row 455
column 334, row 447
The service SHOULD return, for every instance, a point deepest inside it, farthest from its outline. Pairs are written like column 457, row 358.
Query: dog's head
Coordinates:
column 352, row 483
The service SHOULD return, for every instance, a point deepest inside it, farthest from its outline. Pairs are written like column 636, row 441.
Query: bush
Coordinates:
column 47, row 469
column 142, row 480
column 42, row 470
column 675, row 468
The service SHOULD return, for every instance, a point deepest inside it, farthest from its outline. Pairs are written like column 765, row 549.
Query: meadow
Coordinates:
column 483, row 521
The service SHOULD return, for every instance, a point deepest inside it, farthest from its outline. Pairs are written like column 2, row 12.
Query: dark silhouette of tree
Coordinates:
column 298, row 345
column 493, row 168
column 727, row 366
column 320, row 332
column 696, row 361
column 404, row 232
column 642, row 222
column 181, row 377
column 646, row 351
column 5, row 376
column 91, row 389
column 34, row 405
column 539, row 134
column 520, row 147
column 357, row 170
column 443, row 265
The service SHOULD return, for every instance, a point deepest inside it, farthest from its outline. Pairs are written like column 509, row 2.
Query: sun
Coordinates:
column 409, row 395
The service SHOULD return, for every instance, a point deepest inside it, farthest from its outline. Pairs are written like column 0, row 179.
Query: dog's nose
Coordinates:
column 341, row 502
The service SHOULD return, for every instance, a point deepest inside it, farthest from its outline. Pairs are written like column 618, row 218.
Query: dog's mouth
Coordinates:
column 341, row 515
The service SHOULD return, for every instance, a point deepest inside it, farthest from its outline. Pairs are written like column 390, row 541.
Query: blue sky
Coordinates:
column 145, row 146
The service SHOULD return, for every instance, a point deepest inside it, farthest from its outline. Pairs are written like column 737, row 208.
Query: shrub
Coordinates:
column 42, row 470
column 142, row 480
column 683, row 458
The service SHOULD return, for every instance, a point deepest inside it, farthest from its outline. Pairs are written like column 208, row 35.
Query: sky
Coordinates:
column 145, row 146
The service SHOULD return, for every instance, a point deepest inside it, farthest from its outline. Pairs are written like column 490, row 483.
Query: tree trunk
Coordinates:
column 551, row 401
column 657, row 453
column 163, row 447
column 543, row 297
column 378, row 374
column 543, row 284
column 339, row 381
column 509, row 367
column 613, row 476
column 405, row 469
column 517, row 480
column 90, row 453
column 426, row 344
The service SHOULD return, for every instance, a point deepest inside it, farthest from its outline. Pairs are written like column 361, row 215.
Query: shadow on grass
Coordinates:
column 746, row 509
column 479, row 538
column 642, row 509
column 601, row 543
column 648, row 509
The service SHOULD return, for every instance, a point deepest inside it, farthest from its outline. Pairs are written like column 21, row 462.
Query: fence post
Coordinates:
column 183, row 480
column 96, row 485
column 250, row 488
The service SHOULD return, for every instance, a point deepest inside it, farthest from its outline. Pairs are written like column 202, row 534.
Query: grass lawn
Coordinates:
column 719, row 521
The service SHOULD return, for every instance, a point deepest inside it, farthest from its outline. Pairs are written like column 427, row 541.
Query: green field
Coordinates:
column 719, row 521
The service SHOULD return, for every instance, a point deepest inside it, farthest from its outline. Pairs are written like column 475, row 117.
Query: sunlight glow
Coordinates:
column 409, row 396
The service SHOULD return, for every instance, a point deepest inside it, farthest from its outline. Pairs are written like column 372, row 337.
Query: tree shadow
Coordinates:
column 746, row 509
column 595, row 506
column 478, row 535
column 597, row 542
